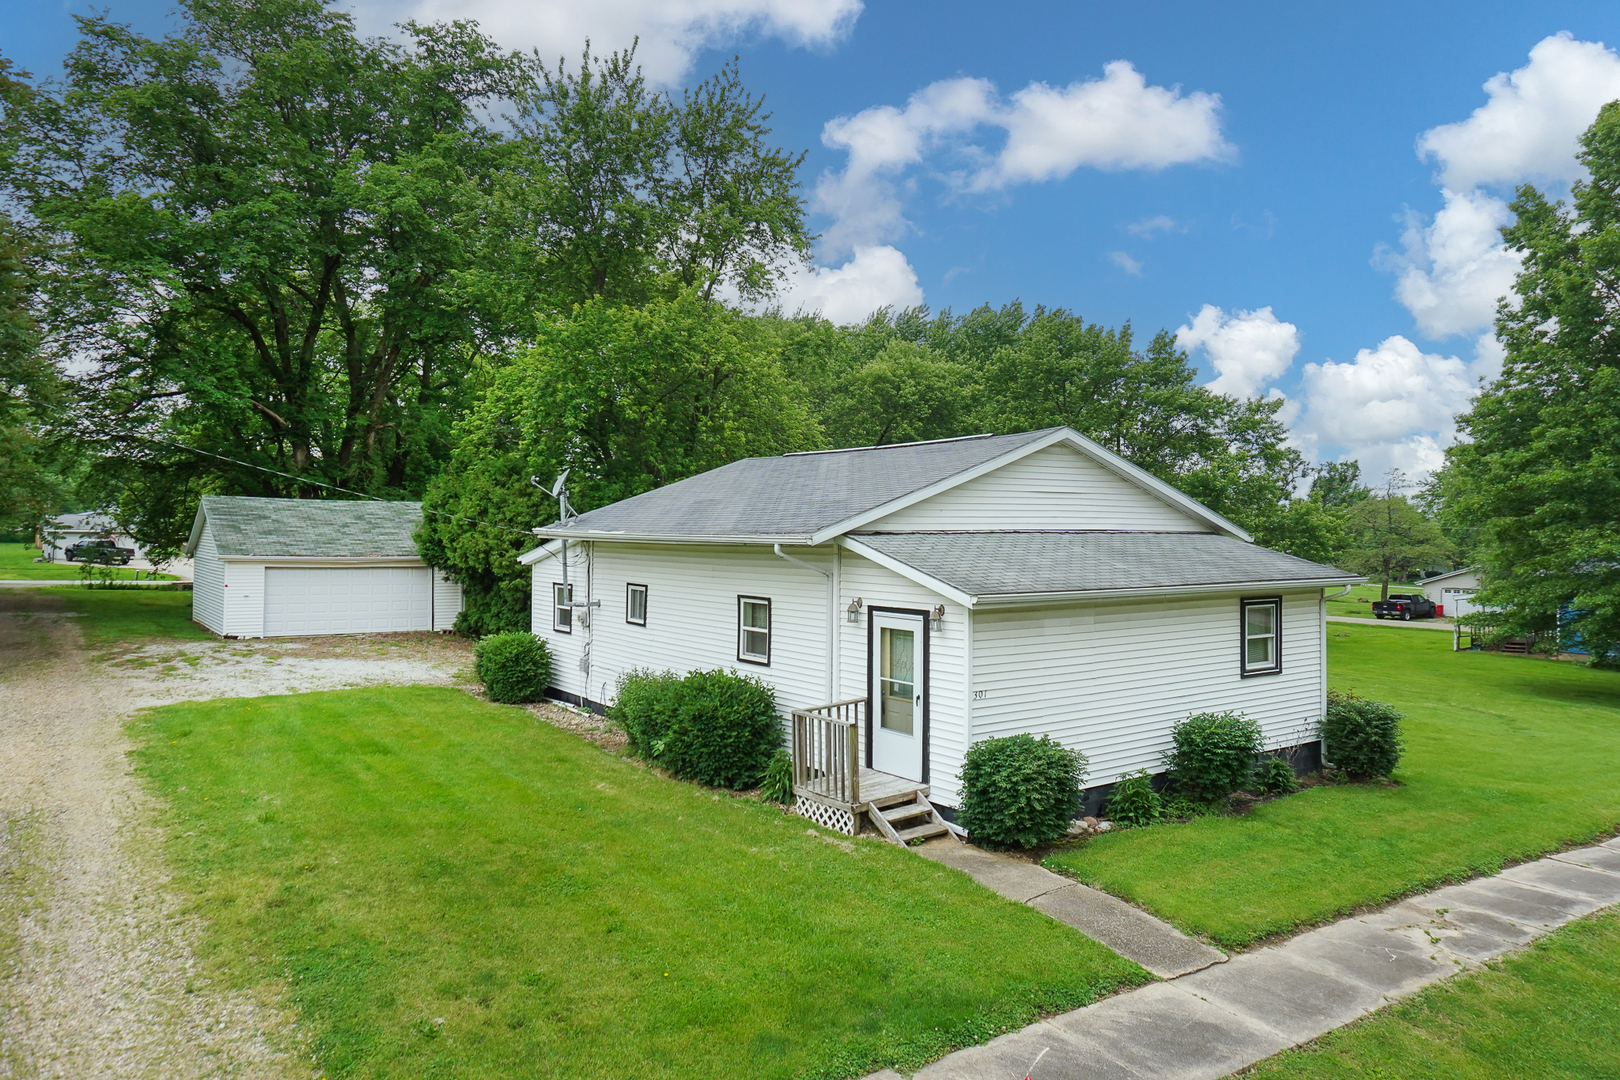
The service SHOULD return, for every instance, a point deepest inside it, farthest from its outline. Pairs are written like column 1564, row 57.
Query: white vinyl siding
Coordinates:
column 244, row 599
column 301, row 601
column 208, row 583
column 1054, row 488
column 446, row 602
column 1109, row 679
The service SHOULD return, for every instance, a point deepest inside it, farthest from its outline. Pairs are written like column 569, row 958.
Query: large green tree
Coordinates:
column 1539, row 471
column 255, row 228
column 1388, row 537
column 626, row 398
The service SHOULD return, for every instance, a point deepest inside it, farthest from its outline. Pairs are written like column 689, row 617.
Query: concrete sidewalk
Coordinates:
column 1129, row 931
column 1226, row 1017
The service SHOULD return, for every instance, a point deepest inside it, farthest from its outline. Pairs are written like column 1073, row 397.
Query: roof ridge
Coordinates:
column 898, row 445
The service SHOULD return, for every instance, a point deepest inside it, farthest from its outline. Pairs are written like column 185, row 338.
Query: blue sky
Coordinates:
column 1308, row 197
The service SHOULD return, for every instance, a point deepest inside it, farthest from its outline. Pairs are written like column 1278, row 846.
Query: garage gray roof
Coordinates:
column 1003, row 564
column 315, row 528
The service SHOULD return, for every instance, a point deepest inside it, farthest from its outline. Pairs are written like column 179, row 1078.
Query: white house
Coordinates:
column 968, row 587
column 1453, row 593
column 285, row 567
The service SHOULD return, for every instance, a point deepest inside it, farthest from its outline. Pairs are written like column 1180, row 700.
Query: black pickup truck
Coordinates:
column 99, row 551
column 1404, row 606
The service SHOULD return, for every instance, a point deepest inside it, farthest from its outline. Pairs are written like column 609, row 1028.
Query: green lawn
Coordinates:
column 17, row 564
column 1551, row 1011
column 114, row 616
column 1507, row 758
column 410, row 856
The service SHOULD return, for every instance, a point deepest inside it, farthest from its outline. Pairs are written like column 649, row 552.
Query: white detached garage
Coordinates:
column 292, row 567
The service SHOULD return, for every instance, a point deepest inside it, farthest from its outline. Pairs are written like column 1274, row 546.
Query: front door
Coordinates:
column 897, row 694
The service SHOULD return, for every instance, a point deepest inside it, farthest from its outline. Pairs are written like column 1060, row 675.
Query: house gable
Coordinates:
column 1056, row 487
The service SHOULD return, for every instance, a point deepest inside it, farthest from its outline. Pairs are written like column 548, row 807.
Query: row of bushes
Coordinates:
column 1020, row 791
column 721, row 728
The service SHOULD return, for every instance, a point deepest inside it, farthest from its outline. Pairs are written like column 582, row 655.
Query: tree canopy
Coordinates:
column 1538, row 474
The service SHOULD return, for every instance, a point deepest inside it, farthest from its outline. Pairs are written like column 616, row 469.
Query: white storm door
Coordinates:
column 898, row 677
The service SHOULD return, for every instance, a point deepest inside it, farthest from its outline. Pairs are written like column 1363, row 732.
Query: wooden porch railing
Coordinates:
column 827, row 750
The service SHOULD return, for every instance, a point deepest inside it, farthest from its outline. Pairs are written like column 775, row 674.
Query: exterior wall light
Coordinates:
column 936, row 618
column 853, row 612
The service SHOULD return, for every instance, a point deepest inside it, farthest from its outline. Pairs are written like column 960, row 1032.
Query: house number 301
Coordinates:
column 980, row 695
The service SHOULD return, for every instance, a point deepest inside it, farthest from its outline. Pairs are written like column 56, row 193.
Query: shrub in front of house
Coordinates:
column 715, row 727
column 1361, row 736
column 777, row 784
column 1275, row 776
column 1214, row 754
column 514, row 667
column 1020, row 791
column 1133, row 800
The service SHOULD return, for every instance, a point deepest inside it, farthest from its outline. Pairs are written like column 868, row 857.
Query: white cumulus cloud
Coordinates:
column 1123, row 260
column 1455, row 268
column 1247, row 349
column 671, row 32
column 1394, row 406
column 1529, row 129
column 877, row 276
column 1115, row 122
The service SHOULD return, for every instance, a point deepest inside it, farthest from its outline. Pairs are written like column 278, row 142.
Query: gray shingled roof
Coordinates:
column 795, row 495
column 990, row 564
column 318, row 528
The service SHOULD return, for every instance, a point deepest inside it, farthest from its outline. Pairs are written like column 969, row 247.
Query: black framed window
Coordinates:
column 754, row 629
column 635, row 604
column 1262, row 636
column 562, row 607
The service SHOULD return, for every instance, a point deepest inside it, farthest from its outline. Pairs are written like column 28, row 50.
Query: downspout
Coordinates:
column 832, row 614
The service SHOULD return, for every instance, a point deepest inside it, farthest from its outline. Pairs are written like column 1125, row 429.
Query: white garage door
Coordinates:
column 1459, row 602
column 362, row 600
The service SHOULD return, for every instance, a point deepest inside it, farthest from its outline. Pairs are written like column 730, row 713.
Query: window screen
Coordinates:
column 754, row 629
column 1262, row 636
column 635, row 604
column 562, row 607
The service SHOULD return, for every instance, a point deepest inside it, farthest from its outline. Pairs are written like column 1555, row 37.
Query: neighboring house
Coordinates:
column 284, row 567
column 62, row 532
column 970, row 587
column 1453, row 593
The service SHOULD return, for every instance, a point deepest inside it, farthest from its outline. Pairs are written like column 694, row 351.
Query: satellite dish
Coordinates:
column 557, row 487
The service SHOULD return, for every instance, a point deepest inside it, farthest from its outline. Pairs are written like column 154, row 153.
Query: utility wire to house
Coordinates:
column 321, row 483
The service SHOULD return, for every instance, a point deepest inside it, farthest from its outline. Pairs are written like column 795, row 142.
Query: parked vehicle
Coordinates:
column 1404, row 606
column 99, row 551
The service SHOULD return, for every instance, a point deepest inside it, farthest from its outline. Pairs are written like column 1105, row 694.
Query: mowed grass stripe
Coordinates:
column 1507, row 758
column 411, row 855
column 1551, row 1011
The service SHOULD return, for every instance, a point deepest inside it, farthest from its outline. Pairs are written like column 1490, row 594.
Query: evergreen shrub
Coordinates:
column 1214, row 754
column 514, row 667
column 1361, row 736
column 1133, row 800
column 1020, row 791
column 714, row 727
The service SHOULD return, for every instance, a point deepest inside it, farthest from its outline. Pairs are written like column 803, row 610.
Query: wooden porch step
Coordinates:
column 884, row 818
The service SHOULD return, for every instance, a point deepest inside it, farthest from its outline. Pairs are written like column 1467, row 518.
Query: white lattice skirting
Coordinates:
column 828, row 817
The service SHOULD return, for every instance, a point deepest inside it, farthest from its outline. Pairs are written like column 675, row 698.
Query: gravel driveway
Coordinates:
column 98, row 968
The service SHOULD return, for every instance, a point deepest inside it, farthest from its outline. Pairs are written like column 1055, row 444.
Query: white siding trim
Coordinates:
column 208, row 583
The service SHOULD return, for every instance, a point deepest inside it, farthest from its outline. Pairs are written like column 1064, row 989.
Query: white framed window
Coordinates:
column 1262, row 636
column 754, row 629
column 562, row 607
column 635, row 604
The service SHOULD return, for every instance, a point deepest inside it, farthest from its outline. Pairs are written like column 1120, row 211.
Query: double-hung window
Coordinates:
column 1262, row 636
column 562, row 607
column 635, row 604
column 754, row 629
